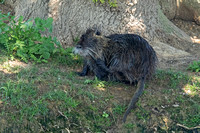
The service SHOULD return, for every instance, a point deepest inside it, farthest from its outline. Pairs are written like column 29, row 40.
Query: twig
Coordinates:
column 67, row 130
column 187, row 128
column 62, row 114
column 67, row 119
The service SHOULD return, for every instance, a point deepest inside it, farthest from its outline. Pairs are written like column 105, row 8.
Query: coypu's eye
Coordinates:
column 98, row 33
column 82, row 38
column 79, row 46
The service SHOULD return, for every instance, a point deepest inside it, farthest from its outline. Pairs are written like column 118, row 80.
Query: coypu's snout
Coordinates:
column 81, row 51
column 77, row 49
column 78, row 46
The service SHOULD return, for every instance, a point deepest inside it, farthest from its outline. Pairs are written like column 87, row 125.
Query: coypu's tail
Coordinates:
column 134, row 98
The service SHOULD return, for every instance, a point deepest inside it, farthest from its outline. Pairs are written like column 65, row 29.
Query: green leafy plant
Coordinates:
column 96, row 82
column 195, row 66
column 119, row 109
column 66, row 56
column 129, row 125
column 24, row 39
column 112, row 3
column 2, row 1
column 105, row 115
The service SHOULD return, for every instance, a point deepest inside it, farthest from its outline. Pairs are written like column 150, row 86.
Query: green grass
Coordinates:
column 41, row 92
column 2, row 1
column 173, row 78
column 50, row 97
column 195, row 66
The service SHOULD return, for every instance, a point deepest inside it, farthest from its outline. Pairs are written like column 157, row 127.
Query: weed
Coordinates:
column 102, row 122
column 180, row 99
column 105, row 115
column 96, row 82
column 189, row 117
column 24, row 39
column 88, row 81
column 195, row 66
column 119, row 109
column 65, row 56
column 112, row 3
column 129, row 125
column 99, row 83
column 76, row 40
column 193, row 86
column 142, row 114
column 173, row 77
column 90, row 95
column 176, row 78
column 60, row 95
column 2, row 1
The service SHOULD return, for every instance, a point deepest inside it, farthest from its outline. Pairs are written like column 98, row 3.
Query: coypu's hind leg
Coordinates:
column 85, row 70
column 118, row 76
column 101, row 74
column 101, row 64
column 101, row 71
column 135, row 82
column 135, row 97
column 122, row 78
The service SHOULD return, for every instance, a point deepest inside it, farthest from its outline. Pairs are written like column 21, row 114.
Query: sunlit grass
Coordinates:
column 193, row 86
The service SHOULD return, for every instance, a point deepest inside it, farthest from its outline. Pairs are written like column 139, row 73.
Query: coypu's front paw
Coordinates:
column 81, row 73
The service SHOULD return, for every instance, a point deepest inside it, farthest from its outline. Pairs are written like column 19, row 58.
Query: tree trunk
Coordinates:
column 73, row 17
column 182, row 9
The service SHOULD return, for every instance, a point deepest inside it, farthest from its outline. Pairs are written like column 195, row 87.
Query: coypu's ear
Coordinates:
column 89, row 31
column 98, row 33
column 97, row 30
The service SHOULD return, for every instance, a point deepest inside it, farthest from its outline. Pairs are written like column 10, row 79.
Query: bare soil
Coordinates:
column 193, row 30
column 184, row 52
column 6, row 9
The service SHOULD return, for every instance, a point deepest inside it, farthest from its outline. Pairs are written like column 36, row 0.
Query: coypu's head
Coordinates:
column 90, row 44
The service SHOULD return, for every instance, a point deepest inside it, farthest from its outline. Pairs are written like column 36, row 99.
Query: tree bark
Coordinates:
column 169, row 8
column 188, row 10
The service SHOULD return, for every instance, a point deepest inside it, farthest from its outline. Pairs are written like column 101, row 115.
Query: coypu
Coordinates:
column 118, row 57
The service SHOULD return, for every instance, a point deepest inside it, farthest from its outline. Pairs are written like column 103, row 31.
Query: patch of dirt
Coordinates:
column 178, row 54
column 193, row 30
column 6, row 9
column 16, row 65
